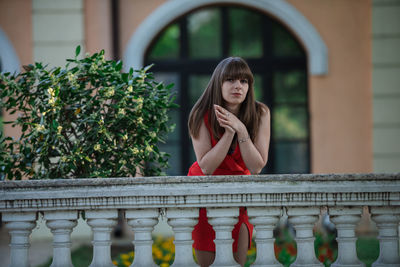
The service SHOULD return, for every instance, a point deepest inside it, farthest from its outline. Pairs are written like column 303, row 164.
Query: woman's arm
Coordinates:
column 208, row 157
column 254, row 154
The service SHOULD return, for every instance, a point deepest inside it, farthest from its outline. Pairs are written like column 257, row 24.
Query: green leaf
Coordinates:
column 77, row 50
column 118, row 67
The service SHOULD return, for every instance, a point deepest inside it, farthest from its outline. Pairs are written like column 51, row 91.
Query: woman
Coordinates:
column 230, row 133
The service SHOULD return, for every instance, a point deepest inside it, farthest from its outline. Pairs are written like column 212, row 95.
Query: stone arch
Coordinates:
column 287, row 14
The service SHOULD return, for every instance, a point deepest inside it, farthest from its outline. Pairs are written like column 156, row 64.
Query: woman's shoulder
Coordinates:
column 262, row 109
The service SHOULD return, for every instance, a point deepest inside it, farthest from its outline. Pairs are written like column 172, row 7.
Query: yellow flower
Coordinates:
column 131, row 254
column 59, row 129
column 130, row 89
column 157, row 252
column 135, row 151
column 110, row 92
column 121, row 112
column 168, row 244
column 71, row 77
column 125, row 256
column 51, row 91
column 167, row 257
column 164, row 264
column 127, row 263
column 52, row 101
column 77, row 111
column 40, row 128
column 149, row 149
column 125, row 137
column 97, row 147
column 139, row 101
column 140, row 120
column 115, row 262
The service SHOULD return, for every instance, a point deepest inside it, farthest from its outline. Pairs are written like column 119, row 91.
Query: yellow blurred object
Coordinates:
column 157, row 252
column 125, row 257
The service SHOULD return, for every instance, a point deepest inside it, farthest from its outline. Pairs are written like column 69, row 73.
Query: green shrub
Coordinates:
column 88, row 119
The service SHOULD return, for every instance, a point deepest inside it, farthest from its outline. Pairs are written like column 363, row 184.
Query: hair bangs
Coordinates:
column 237, row 69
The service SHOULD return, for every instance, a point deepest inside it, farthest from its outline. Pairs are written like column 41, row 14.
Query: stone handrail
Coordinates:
column 266, row 197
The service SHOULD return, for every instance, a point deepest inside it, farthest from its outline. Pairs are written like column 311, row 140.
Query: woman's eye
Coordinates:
column 243, row 81
column 229, row 79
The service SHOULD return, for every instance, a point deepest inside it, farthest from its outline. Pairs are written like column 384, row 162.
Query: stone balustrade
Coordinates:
column 266, row 197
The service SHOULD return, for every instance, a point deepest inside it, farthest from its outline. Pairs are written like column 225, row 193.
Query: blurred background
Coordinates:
column 327, row 69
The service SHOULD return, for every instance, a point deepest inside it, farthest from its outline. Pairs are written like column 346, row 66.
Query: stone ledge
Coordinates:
column 191, row 192
column 198, row 179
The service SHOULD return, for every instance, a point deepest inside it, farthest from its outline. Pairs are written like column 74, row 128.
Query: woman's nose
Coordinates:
column 237, row 83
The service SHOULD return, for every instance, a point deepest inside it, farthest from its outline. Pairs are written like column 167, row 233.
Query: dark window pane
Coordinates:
column 291, row 157
column 284, row 83
column 204, row 33
column 168, row 78
column 171, row 145
column 167, row 45
column 258, row 93
column 245, row 33
column 197, row 85
column 284, row 43
column 175, row 135
column 289, row 122
column 290, row 87
column 192, row 156
column 175, row 162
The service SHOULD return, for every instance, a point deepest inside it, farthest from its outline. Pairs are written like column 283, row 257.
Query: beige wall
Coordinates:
column 341, row 101
column 132, row 13
column 16, row 22
column 97, row 15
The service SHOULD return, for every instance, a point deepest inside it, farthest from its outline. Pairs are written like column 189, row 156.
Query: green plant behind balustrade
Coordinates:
column 88, row 119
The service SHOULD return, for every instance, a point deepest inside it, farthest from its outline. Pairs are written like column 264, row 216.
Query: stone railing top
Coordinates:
column 202, row 191
column 359, row 177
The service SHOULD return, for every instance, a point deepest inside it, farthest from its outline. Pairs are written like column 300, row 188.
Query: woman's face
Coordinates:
column 234, row 91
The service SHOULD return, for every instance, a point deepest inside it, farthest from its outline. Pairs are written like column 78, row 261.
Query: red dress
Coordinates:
column 203, row 233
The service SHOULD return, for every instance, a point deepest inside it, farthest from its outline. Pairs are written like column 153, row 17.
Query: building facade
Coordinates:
column 327, row 69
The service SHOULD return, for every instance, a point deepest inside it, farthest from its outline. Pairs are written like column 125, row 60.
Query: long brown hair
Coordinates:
column 250, row 110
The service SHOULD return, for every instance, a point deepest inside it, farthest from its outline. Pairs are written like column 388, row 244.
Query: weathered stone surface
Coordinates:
column 223, row 191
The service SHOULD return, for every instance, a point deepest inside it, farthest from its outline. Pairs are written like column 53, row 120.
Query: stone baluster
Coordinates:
column 345, row 220
column 142, row 222
column 61, row 224
column 264, row 221
column 102, row 223
column 223, row 220
column 303, row 220
column 182, row 222
column 387, row 222
column 20, row 226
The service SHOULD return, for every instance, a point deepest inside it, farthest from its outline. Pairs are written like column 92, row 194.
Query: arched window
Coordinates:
column 187, row 51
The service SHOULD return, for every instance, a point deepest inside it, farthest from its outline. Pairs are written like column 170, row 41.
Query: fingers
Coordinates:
column 221, row 112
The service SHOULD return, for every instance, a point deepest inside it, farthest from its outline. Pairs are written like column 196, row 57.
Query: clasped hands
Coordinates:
column 229, row 121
